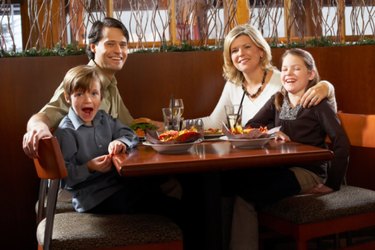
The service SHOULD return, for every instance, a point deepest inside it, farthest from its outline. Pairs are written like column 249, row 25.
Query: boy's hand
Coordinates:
column 116, row 147
column 101, row 164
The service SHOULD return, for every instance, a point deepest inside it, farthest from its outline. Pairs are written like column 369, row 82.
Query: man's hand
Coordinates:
column 101, row 164
column 37, row 129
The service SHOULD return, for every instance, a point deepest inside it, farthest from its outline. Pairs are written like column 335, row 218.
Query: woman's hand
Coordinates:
column 314, row 95
column 101, row 164
column 116, row 147
column 320, row 189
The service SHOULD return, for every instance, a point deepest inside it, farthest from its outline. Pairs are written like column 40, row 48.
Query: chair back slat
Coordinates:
column 359, row 128
column 50, row 163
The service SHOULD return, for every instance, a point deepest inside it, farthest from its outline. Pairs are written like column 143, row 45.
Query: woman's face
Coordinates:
column 294, row 74
column 245, row 55
column 86, row 103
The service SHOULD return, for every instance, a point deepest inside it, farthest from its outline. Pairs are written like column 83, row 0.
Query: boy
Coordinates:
column 88, row 138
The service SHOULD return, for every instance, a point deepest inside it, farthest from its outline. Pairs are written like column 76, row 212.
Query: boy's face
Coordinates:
column 111, row 51
column 86, row 103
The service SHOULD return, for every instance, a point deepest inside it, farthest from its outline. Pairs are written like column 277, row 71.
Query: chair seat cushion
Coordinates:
column 302, row 209
column 61, row 207
column 74, row 230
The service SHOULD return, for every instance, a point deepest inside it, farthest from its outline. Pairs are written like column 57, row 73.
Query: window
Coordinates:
column 10, row 30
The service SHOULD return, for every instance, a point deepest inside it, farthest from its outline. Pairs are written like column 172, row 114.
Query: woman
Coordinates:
column 252, row 78
column 305, row 125
column 248, row 70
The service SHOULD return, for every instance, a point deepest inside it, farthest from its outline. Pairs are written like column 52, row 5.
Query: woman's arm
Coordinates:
column 314, row 95
column 215, row 119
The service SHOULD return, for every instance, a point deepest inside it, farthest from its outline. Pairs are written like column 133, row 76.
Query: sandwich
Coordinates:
column 140, row 125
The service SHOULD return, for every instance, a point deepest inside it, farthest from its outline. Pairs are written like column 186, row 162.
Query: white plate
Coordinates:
column 175, row 148
column 247, row 143
column 211, row 136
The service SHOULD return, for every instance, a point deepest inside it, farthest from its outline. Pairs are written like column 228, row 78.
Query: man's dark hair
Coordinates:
column 96, row 32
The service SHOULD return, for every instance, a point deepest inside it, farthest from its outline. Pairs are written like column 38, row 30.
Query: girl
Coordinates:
column 260, row 187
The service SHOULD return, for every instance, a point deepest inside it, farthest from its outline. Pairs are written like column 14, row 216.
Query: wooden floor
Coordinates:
column 327, row 243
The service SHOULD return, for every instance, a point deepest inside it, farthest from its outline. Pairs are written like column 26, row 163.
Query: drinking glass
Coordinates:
column 172, row 118
column 177, row 103
column 233, row 116
column 197, row 123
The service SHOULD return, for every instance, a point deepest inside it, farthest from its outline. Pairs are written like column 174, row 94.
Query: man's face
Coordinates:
column 111, row 51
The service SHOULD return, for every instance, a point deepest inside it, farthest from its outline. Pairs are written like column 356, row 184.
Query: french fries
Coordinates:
column 239, row 130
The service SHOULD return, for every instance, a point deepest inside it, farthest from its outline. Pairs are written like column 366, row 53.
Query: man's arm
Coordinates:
column 47, row 118
column 38, row 127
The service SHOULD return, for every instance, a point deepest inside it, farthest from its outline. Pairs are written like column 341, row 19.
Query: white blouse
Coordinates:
column 232, row 95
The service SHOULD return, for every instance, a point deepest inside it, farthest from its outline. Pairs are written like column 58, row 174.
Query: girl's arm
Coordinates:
column 340, row 145
column 265, row 117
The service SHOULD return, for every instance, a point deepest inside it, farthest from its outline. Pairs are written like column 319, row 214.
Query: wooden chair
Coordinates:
column 72, row 230
column 347, row 210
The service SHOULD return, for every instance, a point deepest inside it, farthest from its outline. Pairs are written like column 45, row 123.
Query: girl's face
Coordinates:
column 245, row 55
column 294, row 75
column 86, row 103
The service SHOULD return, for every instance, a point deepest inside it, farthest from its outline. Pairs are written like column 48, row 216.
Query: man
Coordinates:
column 108, row 50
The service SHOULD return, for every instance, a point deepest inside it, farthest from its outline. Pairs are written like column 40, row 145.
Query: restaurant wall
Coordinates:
column 146, row 83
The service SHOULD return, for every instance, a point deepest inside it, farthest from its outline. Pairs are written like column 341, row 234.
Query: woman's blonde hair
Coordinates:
column 230, row 72
column 309, row 62
column 81, row 78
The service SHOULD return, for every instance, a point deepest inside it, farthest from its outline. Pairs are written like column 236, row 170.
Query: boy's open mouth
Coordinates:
column 87, row 110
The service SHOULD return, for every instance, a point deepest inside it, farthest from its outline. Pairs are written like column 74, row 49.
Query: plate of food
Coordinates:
column 172, row 148
column 247, row 143
column 172, row 141
column 239, row 132
column 212, row 133
column 173, row 136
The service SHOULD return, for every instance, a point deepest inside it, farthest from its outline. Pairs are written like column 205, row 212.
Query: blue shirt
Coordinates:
column 79, row 144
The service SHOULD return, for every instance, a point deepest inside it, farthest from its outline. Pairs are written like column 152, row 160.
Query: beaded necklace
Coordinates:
column 259, row 89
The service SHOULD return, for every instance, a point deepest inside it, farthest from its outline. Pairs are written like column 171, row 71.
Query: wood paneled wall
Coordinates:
column 145, row 83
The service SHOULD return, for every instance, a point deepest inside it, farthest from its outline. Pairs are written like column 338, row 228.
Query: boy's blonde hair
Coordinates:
column 81, row 78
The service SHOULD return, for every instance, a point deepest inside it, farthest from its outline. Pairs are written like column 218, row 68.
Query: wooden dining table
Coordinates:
column 217, row 155
column 210, row 158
